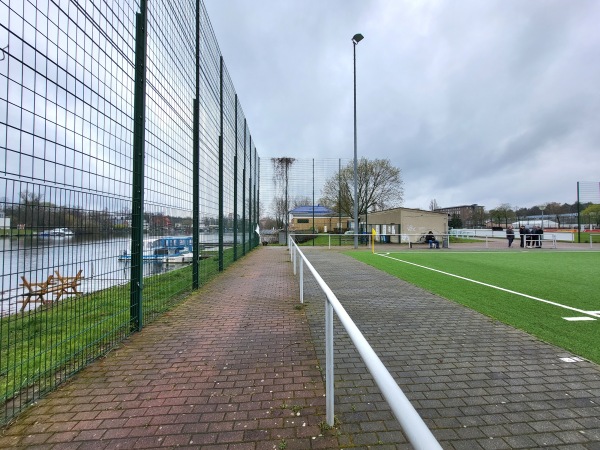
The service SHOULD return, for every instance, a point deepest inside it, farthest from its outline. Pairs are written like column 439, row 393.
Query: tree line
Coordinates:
column 557, row 212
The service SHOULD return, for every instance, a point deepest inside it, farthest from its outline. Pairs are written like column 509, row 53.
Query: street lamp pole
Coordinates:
column 355, row 40
column 542, row 208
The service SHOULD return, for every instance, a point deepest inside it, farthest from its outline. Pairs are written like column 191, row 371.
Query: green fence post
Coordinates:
column 235, row 185
column 139, row 142
column 250, row 204
column 221, row 169
column 196, row 199
column 256, row 181
column 244, row 218
column 196, row 163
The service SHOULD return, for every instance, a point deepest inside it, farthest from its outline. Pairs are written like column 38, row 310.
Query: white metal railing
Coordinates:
column 443, row 239
column 347, row 239
column 563, row 236
column 412, row 424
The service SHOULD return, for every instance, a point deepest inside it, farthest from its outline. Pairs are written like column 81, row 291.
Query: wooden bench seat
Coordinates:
column 411, row 244
column 420, row 241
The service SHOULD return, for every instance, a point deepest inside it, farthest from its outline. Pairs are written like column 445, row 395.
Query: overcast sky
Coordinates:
column 486, row 102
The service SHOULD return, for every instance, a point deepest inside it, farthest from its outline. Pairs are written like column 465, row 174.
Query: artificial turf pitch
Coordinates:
column 553, row 295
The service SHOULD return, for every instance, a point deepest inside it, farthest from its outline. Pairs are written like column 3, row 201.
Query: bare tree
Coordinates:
column 280, row 209
column 554, row 210
column 379, row 186
column 504, row 213
column 31, row 210
column 301, row 201
column 433, row 205
column 520, row 213
column 281, row 178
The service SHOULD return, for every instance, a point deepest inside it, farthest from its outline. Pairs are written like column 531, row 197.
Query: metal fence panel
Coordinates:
column 287, row 183
column 67, row 184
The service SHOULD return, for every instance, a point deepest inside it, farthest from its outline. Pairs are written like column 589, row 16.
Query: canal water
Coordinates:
column 36, row 258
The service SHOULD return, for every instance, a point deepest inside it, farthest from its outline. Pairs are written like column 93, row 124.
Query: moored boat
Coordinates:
column 56, row 233
column 181, row 258
column 167, row 249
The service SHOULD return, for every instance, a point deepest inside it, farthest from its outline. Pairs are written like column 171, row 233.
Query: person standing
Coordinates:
column 528, row 237
column 522, row 235
column 510, row 235
column 539, row 231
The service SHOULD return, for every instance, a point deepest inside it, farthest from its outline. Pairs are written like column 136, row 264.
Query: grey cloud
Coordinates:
column 501, row 94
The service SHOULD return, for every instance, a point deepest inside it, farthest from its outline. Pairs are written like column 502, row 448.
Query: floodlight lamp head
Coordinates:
column 357, row 38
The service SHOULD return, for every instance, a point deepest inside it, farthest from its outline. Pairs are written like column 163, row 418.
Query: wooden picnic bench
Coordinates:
column 69, row 284
column 58, row 285
column 36, row 291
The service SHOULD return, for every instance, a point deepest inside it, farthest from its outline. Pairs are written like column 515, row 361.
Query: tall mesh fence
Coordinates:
column 288, row 184
column 588, row 217
column 128, row 177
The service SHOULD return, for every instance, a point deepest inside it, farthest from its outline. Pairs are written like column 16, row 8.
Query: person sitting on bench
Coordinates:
column 430, row 238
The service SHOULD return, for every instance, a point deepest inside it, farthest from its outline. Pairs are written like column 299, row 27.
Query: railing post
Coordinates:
column 301, row 281
column 329, row 388
column 295, row 257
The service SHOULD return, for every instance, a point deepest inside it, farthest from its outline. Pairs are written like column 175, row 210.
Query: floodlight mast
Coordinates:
column 355, row 40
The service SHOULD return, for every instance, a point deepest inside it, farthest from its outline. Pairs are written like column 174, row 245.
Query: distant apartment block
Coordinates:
column 471, row 216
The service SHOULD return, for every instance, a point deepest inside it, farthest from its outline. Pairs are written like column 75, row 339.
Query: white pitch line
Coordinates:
column 589, row 313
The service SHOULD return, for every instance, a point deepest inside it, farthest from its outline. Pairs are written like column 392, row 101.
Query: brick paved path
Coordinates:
column 231, row 368
column 477, row 383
